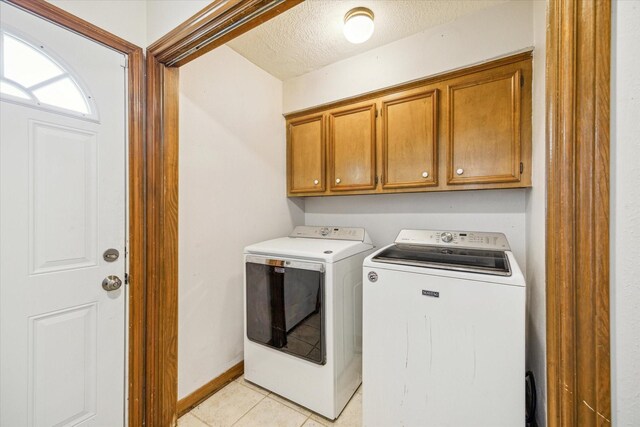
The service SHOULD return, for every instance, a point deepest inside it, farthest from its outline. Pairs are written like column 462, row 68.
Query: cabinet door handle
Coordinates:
column 460, row 171
column 425, row 174
column 316, row 182
column 338, row 181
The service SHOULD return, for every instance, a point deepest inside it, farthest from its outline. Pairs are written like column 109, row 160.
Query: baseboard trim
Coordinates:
column 191, row 400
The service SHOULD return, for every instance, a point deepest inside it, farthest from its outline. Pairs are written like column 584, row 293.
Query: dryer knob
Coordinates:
column 373, row 276
column 446, row 237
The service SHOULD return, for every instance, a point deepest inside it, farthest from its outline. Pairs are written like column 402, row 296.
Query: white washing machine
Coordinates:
column 303, row 315
column 444, row 332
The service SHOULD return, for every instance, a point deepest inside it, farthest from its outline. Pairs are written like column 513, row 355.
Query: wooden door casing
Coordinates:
column 352, row 148
column 409, row 140
column 306, row 155
column 484, row 129
column 578, row 209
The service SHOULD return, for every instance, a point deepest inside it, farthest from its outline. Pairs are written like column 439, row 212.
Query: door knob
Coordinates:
column 316, row 182
column 111, row 283
column 460, row 171
column 425, row 174
column 337, row 180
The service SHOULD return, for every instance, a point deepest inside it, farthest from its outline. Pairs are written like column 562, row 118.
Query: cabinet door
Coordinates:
column 352, row 148
column 409, row 135
column 306, row 155
column 484, row 128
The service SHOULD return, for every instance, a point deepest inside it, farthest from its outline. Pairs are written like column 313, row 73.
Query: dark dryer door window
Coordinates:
column 285, row 306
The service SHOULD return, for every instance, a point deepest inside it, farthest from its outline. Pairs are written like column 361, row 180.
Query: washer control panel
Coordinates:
column 466, row 239
column 334, row 233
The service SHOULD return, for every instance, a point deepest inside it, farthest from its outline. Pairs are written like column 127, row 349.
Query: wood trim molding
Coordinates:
column 578, row 332
column 203, row 393
column 162, row 243
column 137, row 194
column 213, row 26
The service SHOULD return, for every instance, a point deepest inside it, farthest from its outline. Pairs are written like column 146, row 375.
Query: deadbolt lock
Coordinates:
column 111, row 255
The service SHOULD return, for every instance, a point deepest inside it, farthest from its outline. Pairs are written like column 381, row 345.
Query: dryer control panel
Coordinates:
column 334, row 233
column 466, row 239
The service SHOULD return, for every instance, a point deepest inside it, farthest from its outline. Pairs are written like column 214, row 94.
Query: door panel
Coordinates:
column 306, row 148
column 484, row 129
column 352, row 148
column 63, row 203
column 409, row 139
column 73, row 364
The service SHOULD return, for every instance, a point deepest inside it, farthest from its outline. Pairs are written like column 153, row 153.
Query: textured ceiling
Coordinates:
column 309, row 36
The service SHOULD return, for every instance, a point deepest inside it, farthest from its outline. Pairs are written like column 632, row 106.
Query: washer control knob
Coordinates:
column 446, row 237
column 372, row 276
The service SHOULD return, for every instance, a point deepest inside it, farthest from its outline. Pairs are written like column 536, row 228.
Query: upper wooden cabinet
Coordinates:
column 484, row 127
column 409, row 134
column 467, row 129
column 352, row 148
column 306, row 155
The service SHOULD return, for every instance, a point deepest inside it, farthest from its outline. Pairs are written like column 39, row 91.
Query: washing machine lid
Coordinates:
column 327, row 244
column 457, row 259
column 466, row 251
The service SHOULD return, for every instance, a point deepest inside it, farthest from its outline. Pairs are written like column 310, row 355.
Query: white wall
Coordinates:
column 536, row 222
column 232, row 193
column 163, row 16
column 385, row 215
column 625, row 214
column 138, row 21
column 473, row 38
column 125, row 18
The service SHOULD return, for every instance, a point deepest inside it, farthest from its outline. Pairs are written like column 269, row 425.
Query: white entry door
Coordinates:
column 63, row 204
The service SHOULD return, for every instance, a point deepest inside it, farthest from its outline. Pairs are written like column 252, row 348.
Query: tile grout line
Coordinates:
column 197, row 417
column 249, row 410
column 269, row 395
column 237, row 380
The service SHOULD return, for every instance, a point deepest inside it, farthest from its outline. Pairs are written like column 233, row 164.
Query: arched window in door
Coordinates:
column 30, row 76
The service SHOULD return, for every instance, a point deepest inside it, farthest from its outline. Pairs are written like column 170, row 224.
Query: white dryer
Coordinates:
column 303, row 315
column 444, row 332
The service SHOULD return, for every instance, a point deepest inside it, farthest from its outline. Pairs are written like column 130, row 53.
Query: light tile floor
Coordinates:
column 243, row 404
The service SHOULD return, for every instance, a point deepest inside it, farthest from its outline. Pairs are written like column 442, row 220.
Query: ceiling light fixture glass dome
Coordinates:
column 358, row 25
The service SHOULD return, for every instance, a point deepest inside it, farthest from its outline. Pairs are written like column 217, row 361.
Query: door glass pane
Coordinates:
column 62, row 93
column 26, row 66
column 9, row 89
column 31, row 75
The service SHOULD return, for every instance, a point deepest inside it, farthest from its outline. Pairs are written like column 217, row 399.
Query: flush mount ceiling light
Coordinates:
column 358, row 25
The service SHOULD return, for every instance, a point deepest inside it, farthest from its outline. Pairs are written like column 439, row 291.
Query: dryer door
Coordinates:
column 285, row 306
